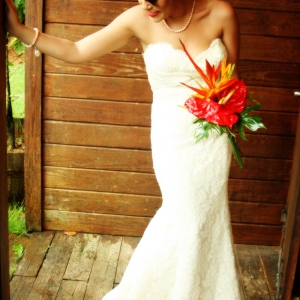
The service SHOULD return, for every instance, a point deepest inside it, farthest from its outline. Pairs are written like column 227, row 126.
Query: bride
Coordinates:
column 187, row 250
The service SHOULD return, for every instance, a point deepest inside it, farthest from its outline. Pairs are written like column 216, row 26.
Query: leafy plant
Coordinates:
column 16, row 219
column 18, row 250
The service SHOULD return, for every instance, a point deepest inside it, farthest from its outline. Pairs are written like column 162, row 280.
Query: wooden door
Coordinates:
column 289, row 254
column 4, row 258
column 94, row 148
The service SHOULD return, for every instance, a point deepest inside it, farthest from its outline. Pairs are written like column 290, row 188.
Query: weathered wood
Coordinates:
column 98, row 158
column 254, row 283
column 95, row 12
column 35, row 251
column 256, row 234
column 82, row 258
column 102, row 88
column 128, row 246
column 98, row 135
column 74, row 290
column 4, row 257
column 103, row 203
column 105, row 112
column 33, row 96
column 95, row 223
column 51, row 274
column 20, row 287
column 104, row 268
column 291, row 238
column 269, row 258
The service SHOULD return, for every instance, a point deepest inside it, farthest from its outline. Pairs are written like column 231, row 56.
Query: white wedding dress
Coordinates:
column 186, row 252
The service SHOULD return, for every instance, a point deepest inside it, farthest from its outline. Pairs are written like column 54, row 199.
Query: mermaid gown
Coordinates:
column 186, row 252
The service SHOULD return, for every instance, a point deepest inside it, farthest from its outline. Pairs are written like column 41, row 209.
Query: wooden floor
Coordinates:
column 86, row 266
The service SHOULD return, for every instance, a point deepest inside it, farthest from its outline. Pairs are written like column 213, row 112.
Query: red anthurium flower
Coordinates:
column 222, row 99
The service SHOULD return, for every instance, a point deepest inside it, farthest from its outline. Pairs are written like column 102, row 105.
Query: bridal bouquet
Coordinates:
column 221, row 106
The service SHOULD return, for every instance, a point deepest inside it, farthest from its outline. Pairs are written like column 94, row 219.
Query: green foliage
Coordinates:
column 16, row 219
column 20, row 4
column 18, row 250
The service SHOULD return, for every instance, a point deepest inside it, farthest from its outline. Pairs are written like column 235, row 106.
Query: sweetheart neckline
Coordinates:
column 181, row 50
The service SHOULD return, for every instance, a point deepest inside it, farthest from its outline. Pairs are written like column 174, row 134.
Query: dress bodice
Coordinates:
column 167, row 67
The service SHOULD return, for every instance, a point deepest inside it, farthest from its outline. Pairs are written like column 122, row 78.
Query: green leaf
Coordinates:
column 241, row 129
column 19, row 47
column 19, row 250
column 253, row 123
column 249, row 109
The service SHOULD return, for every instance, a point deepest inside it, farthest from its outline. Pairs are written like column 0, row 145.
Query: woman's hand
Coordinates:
column 12, row 17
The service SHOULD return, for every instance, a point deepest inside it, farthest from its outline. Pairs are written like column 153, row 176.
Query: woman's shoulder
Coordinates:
column 221, row 9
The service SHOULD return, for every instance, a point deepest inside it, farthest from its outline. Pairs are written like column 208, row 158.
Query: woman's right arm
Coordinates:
column 112, row 37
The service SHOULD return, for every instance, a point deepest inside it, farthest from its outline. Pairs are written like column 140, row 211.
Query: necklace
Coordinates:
column 186, row 25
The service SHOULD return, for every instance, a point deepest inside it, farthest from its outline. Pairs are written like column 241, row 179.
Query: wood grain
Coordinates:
column 104, row 268
column 74, row 290
column 33, row 97
column 82, row 257
column 4, row 256
column 20, row 287
column 51, row 274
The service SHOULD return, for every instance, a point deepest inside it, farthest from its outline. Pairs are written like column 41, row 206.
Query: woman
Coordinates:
column 187, row 250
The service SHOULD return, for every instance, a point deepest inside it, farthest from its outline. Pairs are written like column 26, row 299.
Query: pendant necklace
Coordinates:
column 186, row 25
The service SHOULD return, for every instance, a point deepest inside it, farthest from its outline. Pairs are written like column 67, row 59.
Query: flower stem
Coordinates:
column 236, row 150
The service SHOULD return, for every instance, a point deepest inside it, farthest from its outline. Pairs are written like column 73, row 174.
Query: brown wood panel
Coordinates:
column 93, row 111
column 96, row 135
column 95, row 223
column 98, row 158
column 136, row 205
column 33, row 96
column 135, row 226
column 270, row 48
column 281, row 5
column 104, row 88
column 257, row 191
column 255, row 213
column 4, row 257
column 103, row 181
column 256, row 234
column 76, row 32
column 95, row 12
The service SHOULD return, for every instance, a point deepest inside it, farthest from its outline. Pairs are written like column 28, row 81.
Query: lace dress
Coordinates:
column 186, row 252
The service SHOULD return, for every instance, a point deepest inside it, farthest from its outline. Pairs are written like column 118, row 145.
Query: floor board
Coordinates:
column 60, row 266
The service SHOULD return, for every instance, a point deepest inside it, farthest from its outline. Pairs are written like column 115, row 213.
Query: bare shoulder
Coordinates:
column 222, row 10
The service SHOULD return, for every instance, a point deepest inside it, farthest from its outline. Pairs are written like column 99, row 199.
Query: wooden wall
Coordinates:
column 96, row 161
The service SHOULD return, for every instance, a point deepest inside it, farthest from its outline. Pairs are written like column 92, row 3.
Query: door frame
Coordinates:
column 4, row 258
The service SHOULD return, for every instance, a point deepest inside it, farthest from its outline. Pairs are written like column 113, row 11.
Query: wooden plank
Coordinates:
column 33, row 92
column 74, row 290
column 98, row 180
column 82, row 258
column 75, row 32
column 95, row 223
column 258, row 213
column 271, row 48
column 128, row 246
column 4, row 250
column 254, row 283
column 256, row 234
column 105, row 112
column 120, row 65
column 51, row 274
column 118, row 204
column 281, row 5
column 104, row 203
column 102, row 88
column 35, row 251
column 269, row 258
column 98, row 158
column 258, row 191
column 98, row 135
column 20, row 287
column 252, row 21
column 104, row 268
column 291, row 238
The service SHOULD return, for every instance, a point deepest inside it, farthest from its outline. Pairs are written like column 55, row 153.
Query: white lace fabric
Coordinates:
column 186, row 252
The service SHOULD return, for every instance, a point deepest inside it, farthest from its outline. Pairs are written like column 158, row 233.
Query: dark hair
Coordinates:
column 153, row 2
